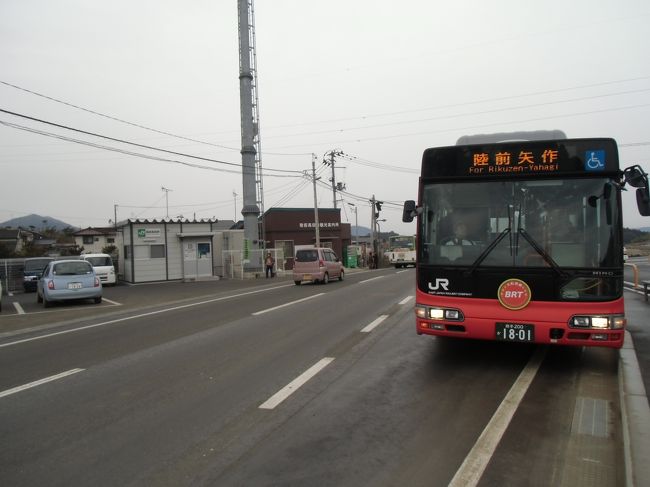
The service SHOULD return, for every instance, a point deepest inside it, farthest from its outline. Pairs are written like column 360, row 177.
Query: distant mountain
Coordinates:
column 37, row 221
column 360, row 231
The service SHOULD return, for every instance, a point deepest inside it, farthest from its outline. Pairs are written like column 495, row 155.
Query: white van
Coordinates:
column 103, row 265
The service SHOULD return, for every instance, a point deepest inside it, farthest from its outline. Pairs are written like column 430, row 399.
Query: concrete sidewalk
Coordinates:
column 634, row 374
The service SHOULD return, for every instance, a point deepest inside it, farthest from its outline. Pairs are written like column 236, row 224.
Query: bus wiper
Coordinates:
column 487, row 251
column 545, row 255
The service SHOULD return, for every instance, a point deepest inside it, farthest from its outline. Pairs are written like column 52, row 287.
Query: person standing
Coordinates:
column 269, row 262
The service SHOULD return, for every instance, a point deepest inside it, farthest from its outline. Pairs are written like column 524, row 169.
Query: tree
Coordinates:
column 6, row 252
column 110, row 249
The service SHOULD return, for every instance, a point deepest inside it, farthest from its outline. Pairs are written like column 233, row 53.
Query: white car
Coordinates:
column 104, row 268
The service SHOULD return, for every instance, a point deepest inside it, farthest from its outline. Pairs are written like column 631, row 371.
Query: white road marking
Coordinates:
column 151, row 313
column 403, row 270
column 374, row 324
column 19, row 308
column 371, row 279
column 406, row 299
column 286, row 304
column 112, row 302
column 8, row 392
column 470, row 472
column 295, row 384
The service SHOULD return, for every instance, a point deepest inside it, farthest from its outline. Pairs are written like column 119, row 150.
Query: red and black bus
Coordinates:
column 520, row 239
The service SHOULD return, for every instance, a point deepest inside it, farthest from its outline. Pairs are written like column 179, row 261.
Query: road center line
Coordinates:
column 19, row 308
column 406, row 300
column 8, row 392
column 470, row 472
column 371, row 279
column 151, row 313
column 374, row 324
column 286, row 304
column 295, row 384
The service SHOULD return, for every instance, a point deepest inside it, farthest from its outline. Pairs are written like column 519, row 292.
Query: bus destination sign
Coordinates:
column 522, row 159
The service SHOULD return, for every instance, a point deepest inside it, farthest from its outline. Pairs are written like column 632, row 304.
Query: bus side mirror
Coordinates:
column 409, row 211
column 643, row 201
column 635, row 177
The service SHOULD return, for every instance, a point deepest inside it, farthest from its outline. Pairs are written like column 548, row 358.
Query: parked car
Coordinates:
column 104, row 267
column 32, row 272
column 316, row 264
column 64, row 280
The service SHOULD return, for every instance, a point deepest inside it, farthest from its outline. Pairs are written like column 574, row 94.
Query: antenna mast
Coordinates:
column 250, row 127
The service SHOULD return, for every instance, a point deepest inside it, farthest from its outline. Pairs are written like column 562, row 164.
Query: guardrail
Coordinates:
column 635, row 270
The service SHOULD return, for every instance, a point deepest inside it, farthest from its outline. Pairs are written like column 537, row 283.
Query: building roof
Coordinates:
column 216, row 223
column 95, row 231
column 294, row 210
column 9, row 233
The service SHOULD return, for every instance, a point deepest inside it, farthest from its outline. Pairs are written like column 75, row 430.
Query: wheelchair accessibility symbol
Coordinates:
column 595, row 160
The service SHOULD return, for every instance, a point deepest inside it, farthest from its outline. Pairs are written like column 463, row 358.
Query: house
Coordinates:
column 16, row 239
column 11, row 239
column 95, row 239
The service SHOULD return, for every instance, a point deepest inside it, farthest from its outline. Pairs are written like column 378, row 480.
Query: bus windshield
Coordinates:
column 552, row 223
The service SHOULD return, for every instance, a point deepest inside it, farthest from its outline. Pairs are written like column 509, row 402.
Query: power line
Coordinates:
column 479, row 126
column 121, row 141
column 115, row 118
column 131, row 153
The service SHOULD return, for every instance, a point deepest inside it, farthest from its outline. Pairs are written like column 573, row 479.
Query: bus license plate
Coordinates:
column 515, row 332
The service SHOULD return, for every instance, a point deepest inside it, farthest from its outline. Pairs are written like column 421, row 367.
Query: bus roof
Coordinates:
column 511, row 137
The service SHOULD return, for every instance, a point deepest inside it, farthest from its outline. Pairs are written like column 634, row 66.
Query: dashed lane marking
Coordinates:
column 14, row 390
column 295, row 384
column 374, row 324
column 286, row 304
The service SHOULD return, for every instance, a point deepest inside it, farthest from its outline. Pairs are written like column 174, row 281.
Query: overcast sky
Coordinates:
column 379, row 80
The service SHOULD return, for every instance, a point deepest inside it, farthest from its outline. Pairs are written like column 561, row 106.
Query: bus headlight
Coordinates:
column 612, row 322
column 447, row 314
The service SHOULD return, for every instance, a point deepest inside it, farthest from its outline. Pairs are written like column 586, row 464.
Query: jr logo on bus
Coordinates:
column 440, row 284
column 514, row 294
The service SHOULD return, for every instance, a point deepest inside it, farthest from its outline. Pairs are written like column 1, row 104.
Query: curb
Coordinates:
column 635, row 416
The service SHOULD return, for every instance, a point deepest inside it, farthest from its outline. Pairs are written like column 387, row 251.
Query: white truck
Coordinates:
column 401, row 250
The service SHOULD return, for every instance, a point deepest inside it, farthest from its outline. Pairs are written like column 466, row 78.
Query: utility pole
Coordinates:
column 166, row 190
column 375, row 209
column 333, row 153
column 250, row 210
column 234, row 197
column 313, row 178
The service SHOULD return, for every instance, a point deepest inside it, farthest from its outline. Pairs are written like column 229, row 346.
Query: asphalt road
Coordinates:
column 267, row 383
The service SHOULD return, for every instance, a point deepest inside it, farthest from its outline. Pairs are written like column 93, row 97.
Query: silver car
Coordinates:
column 64, row 280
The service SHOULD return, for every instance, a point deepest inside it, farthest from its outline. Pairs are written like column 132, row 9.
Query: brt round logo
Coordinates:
column 514, row 294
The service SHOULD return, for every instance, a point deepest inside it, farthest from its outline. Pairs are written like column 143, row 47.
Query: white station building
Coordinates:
column 175, row 249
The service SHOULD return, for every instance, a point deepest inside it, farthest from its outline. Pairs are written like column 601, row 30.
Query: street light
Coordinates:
column 356, row 223
column 166, row 190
